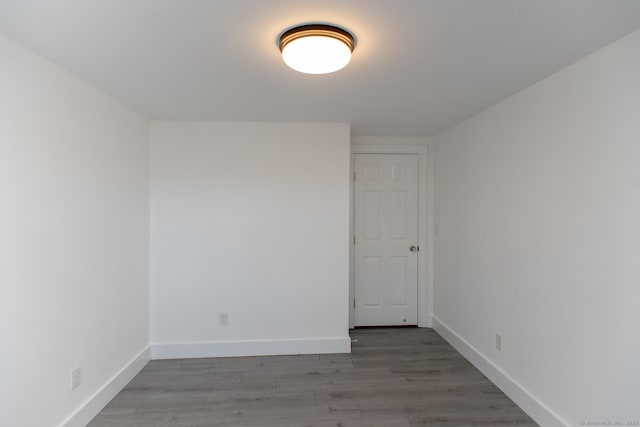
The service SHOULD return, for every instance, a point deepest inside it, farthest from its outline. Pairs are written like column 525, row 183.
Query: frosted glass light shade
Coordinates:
column 316, row 49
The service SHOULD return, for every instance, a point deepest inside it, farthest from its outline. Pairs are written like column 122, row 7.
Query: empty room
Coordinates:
column 322, row 213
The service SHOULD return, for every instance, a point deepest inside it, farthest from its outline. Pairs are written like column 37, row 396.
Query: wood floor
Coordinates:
column 393, row 377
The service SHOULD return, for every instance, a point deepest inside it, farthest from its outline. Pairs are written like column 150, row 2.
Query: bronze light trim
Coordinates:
column 320, row 30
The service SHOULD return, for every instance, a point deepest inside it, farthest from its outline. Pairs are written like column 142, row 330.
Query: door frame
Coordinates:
column 424, row 149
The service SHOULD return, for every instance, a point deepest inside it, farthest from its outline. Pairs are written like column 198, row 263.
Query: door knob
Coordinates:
column 414, row 248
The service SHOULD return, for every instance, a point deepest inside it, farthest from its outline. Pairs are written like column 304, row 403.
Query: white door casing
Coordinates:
column 386, row 227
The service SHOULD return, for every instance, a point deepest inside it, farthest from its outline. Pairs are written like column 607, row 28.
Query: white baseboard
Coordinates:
column 251, row 348
column 97, row 401
column 530, row 404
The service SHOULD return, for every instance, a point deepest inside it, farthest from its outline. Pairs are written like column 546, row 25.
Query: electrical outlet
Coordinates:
column 76, row 378
column 498, row 342
column 224, row 319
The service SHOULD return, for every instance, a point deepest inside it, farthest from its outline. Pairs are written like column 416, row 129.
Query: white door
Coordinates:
column 386, row 239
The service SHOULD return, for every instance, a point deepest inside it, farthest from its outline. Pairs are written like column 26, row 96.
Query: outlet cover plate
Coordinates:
column 76, row 378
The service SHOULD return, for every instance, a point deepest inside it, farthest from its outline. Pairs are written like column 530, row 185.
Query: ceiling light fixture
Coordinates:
column 316, row 48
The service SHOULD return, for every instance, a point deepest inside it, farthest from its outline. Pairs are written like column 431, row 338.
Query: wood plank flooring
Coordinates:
column 393, row 377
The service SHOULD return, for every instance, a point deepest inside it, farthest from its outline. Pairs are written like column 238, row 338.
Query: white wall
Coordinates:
column 250, row 219
column 74, row 241
column 538, row 213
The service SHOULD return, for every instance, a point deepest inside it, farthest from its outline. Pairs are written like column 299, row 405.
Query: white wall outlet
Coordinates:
column 498, row 342
column 224, row 318
column 76, row 378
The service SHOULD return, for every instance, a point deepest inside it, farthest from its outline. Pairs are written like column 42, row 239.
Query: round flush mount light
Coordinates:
column 316, row 48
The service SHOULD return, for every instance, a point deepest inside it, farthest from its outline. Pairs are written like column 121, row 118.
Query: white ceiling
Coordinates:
column 419, row 66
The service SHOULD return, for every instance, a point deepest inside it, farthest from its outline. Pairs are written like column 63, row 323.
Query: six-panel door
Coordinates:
column 386, row 229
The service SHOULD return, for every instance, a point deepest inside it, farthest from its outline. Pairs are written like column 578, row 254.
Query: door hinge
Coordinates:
column 354, row 240
column 354, row 177
column 354, row 303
